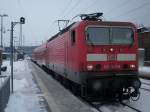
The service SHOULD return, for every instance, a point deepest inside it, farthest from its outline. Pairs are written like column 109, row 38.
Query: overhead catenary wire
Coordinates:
column 62, row 12
column 68, row 11
column 87, row 7
column 133, row 10
column 66, row 7
column 118, row 6
column 136, row 18
column 51, row 28
column 84, row 9
column 72, row 8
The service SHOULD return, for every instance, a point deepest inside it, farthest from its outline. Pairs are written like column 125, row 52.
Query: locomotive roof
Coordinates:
column 62, row 31
column 109, row 23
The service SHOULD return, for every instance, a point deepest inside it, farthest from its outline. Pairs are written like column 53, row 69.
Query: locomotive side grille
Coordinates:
column 126, row 57
column 96, row 57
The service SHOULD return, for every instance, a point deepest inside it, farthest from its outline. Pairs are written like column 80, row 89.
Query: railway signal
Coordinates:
column 22, row 20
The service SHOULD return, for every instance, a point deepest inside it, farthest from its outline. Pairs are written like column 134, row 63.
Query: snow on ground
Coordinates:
column 26, row 93
column 26, row 96
column 143, row 103
column 145, row 86
column 144, row 70
column 145, row 81
column 1, row 81
column 115, row 108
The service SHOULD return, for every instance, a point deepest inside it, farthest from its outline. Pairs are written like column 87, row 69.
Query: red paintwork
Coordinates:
column 61, row 53
column 39, row 54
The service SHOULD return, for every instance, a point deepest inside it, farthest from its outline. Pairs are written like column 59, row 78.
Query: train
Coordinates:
column 95, row 58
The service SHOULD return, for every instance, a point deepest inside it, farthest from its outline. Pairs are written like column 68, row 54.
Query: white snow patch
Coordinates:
column 25, row 97
column 143, row 103
column 20, row 102
column 145, row 81
column 144, row 70
column 1, row 81
column 19, row 84
column 145, row 86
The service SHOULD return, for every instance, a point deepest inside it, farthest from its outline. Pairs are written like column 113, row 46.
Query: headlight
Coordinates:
column 89, row 67
column 132, row 66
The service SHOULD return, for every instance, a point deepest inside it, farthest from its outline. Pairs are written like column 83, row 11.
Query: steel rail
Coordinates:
column 130, row 107
column 145, row 83
column 97, row 107
column 145, row 89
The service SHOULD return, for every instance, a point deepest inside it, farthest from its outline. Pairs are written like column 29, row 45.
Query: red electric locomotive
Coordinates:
column 95, row 57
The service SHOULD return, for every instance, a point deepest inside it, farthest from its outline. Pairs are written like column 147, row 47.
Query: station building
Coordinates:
column 144, row 42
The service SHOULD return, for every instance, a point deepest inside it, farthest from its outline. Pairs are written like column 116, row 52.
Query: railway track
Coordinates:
column 145, row 88
column 145, row 83
column 98, row 105
column 137, row 110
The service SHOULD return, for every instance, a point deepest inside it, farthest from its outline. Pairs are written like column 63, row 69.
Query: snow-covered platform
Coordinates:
column 26, row 96
column 58, row 98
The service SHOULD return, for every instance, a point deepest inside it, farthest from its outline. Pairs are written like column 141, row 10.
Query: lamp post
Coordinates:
column 2, row 15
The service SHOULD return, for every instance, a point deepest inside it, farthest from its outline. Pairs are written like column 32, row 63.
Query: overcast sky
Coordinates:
column 41, row 15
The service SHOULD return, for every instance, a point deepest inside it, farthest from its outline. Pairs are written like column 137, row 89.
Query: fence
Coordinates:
column 4, row 91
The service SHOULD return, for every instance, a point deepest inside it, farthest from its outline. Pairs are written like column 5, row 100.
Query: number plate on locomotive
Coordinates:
column 111, row 57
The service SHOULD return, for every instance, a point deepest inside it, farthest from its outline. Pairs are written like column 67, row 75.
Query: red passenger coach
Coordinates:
column 97, row 58
column 39, row 54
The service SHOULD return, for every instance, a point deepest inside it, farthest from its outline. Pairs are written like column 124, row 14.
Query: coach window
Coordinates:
column 73, row 37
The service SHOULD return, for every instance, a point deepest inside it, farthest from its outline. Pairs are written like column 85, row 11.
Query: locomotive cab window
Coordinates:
column 73, row 37
column 109, row 35
column 97, row 35
column 122, row 36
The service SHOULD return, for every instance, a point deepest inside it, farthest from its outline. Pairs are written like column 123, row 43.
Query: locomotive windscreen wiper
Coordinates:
column 88, row 39
column 131, row 44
